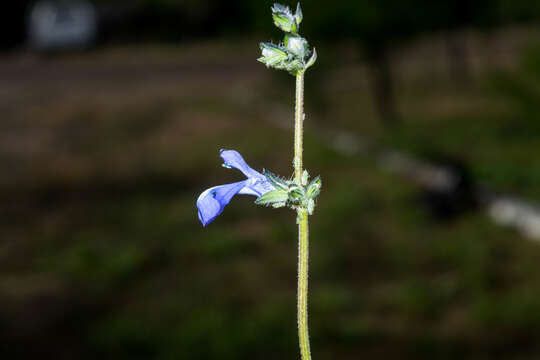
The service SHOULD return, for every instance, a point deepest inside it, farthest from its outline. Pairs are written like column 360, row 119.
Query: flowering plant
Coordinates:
column 298, row 193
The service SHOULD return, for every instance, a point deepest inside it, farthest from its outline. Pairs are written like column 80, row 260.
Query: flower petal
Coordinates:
column 233, row 159
column 212, row 201
column 257, row 187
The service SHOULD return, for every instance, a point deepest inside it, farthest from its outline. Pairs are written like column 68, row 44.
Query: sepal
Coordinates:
column 296, row 195
column 314, row 188
column 275, row 198
column 310, row 206
column 297, row 46
column 284, row 19
column 298, row 16
column 294, row 66
column 279, row 183
column 273, row 55
column 312, row 59
column 305, row 178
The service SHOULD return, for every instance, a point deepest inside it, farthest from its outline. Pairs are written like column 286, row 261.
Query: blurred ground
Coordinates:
column 104, row 154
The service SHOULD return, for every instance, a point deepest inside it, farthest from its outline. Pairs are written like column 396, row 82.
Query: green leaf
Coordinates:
column 273, row 197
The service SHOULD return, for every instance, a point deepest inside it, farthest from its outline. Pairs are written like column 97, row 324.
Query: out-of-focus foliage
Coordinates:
column 103, row 154
column 370, row 19
column 103, row 257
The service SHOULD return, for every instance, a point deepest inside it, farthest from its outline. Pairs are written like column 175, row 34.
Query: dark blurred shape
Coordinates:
column 61, row 24
column 382, row 84
column 447, row 187
column 12, row 23
column 454, row 197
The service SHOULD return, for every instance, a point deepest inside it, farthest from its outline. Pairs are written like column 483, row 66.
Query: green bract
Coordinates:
column 314, row 188
column 276, row 181
column 292, row 53
column 284, row 19
column 296, row 45
column 273, row 55
column 288, row 193
column 274, row 197
column 298, row 16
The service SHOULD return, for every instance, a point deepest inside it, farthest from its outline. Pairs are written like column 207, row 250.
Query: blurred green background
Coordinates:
column 104, row 151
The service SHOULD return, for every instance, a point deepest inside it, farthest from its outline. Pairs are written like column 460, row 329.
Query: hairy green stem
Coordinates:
column 299, row 127
column 302, row 219
column 303, row 257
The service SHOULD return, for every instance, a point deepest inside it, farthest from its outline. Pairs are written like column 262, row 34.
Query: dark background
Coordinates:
column 105, row 148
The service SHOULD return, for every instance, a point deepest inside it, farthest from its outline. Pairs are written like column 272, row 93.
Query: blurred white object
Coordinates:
column 517, row 213
column 61, row 24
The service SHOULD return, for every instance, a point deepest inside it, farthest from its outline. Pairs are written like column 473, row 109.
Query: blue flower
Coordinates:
column 212, row 201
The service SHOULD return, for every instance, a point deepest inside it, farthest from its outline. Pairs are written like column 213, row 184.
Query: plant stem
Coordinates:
column 299, row 127
column 302, row 219
column 303, row 257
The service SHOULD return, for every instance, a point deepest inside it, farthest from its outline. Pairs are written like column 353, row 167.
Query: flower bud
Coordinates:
column 296, row 45
column 272, row 55
column 293, row 55
column 284, row 19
